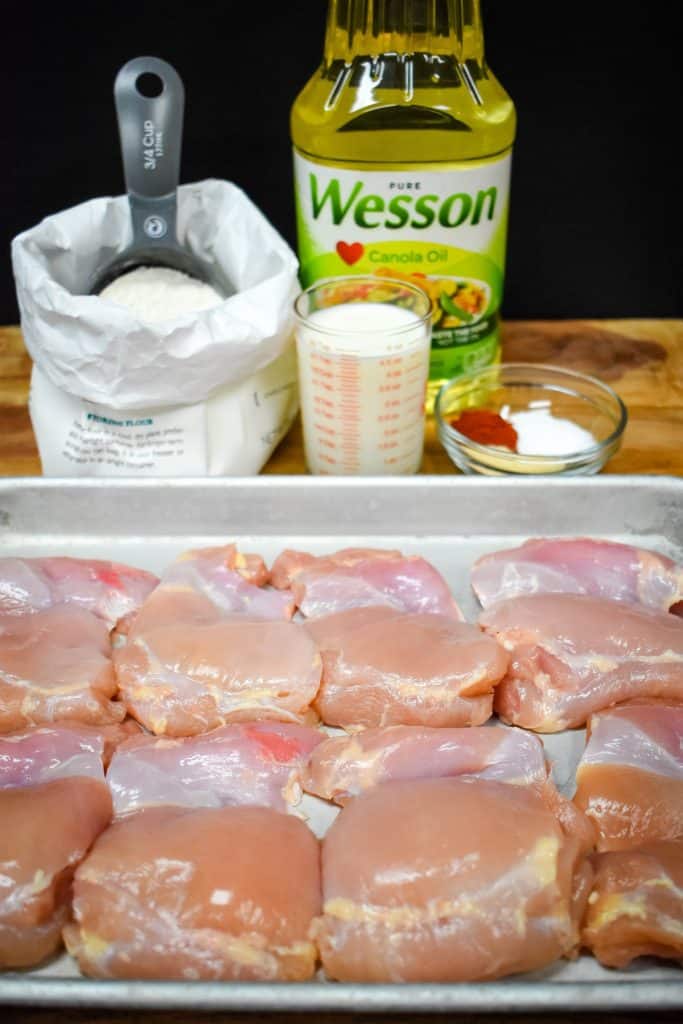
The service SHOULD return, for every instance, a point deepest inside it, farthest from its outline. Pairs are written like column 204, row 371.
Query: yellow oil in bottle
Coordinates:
column 402, row 148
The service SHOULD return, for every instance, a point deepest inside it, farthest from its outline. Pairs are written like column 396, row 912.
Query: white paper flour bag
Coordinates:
column 207, row 393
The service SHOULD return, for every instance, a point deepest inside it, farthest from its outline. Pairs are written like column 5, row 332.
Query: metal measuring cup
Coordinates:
column 150, row 99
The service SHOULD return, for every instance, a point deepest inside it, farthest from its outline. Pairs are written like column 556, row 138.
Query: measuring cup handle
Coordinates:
column 150, row 129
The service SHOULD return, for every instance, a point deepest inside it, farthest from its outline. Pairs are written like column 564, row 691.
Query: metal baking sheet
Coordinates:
column 449, row 520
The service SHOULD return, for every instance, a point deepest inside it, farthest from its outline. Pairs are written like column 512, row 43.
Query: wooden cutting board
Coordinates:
column 641, row 359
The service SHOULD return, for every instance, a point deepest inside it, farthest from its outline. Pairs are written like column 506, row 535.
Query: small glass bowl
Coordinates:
column 566, row 394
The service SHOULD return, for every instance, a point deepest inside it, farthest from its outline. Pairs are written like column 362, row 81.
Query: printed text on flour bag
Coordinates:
column 163, row 443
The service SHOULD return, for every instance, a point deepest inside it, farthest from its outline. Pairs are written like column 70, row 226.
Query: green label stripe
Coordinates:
column 457, row 359
column 454, row 336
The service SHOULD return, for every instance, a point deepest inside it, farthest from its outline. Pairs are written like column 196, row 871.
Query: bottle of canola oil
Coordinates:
column 402, row 148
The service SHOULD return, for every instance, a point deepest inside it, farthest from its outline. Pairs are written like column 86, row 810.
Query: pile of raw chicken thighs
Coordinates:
column 162, row 743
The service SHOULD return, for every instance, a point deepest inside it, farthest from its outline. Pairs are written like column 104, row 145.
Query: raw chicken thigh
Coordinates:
column 360, row 577
column 254, row 763
column 579, row 566
column 53, row 803
column 209, row 585
column 45, row 753
column 630, row 777
column 343, row 766
column 636, row 904
column 224, row 894
column 56, row 664
column 110, row 591
column 572, row 655
column 453, row 857
column 448, row 880
column 383, row 667
column 180, row 680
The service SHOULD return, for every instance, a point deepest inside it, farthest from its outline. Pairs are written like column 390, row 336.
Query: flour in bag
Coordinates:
column 160, row 293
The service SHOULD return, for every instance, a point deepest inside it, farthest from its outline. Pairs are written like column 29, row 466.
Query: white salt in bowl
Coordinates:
column 568, row 424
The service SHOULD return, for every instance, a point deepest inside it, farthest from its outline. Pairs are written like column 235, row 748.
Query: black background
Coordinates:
column 596, row 188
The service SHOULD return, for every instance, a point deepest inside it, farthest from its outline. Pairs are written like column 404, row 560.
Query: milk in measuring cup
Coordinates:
column 363, row 369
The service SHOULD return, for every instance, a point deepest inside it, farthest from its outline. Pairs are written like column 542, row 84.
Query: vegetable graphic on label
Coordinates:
column 450, row 307
column 456, row 302
column 350, row 252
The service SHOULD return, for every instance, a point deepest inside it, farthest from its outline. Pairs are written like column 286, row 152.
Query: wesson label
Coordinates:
column 445, row 229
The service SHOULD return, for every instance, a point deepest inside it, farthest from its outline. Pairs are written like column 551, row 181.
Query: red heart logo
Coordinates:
column 350, row 253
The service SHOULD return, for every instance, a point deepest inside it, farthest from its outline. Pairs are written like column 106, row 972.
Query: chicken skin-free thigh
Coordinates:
column 111, row 591
column 48, row 752
column 382, row 667
column 258, row 763
column 629, row 780
column 636, row 904
column 223, row 894
column 579, row 565
column 56, row 665
column 572, row 655
column 53, row 803
column 43, row 753
column 448, row 880
column 363, row 577
column 183, row 680
column 211, row 584
column 45, row 831
column 341, row 767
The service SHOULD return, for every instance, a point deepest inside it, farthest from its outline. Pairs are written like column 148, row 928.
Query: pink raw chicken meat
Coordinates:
column 343, row 766
column 630, row 777
column 209, row 585
column 48, row 752
column 225, row 894
column 359, row 577
column 581, row 566
column 56, row 664
column 383, row 667
column 636, row 904
column 180, row 680
column 252, row 763
column 572, row 655
column 53, row 804
column 111, row 591
column 441, row 880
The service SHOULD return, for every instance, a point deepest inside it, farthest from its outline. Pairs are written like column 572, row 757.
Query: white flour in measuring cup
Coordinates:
column 362, row 377
column 160, row 293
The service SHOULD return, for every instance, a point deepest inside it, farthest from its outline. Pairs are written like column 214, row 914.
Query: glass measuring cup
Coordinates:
column 363, row 348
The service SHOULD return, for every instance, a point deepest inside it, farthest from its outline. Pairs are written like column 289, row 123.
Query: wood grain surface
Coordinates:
column 641, row 359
